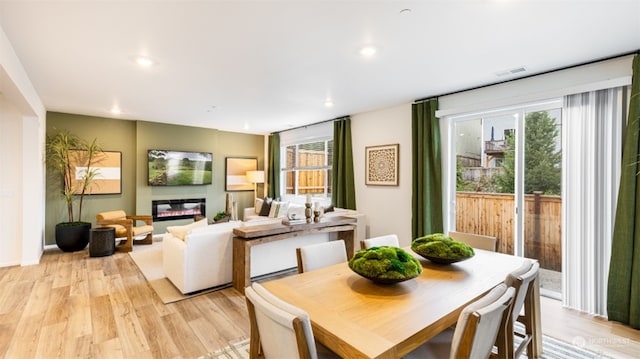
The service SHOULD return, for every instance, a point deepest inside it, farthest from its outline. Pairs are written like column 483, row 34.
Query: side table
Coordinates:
column 102, row 242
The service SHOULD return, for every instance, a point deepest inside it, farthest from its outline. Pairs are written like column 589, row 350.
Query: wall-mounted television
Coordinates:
column 179, row 168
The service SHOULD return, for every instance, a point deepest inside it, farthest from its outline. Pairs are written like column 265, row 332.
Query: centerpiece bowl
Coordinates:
column 385, row 265
column 441, row 249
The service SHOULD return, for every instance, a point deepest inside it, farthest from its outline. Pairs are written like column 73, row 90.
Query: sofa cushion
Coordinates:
column 180, row 232
column 266, row 207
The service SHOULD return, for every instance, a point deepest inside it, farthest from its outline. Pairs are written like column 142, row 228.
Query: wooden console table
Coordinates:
column 247, row 237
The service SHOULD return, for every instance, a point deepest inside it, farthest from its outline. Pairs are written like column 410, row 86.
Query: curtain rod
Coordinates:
column 636, row 52
column 311, row 124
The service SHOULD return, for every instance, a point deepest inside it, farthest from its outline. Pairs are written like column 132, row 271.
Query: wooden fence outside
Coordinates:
column 493, row 214
column 309, row 181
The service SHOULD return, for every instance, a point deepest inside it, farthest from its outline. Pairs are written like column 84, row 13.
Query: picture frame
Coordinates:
column 381, row 165
column 108, row 166
column 236, row 169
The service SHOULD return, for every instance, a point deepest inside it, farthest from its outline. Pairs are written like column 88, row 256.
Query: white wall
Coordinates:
column 388, row 208
column 22, row 129
column 10, row 186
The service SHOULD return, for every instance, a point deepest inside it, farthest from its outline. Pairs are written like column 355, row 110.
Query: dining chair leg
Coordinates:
column 532, row 311
column 254, row 339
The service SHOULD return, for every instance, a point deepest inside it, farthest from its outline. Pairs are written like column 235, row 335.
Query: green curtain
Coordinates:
column 426, row 207
column 343, row 190
column 273, row 174
column 623, row 296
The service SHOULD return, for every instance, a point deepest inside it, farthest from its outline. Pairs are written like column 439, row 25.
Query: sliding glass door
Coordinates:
column 508, row 182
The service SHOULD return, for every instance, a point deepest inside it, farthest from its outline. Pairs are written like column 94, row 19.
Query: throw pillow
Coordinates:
column 258, row 205
column 283, row 209
column 273, row 211
column 266, row 207
column 181, row 232
column 328, row 209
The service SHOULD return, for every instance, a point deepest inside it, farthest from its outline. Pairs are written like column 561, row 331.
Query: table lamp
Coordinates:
column 255, row 177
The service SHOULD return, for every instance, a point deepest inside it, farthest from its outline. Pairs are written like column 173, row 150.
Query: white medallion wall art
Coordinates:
column 381, row 165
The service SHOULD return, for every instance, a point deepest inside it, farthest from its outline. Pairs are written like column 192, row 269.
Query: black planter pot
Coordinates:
column 72, row 237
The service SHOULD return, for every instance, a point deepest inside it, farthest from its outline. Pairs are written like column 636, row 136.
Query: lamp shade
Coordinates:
column 255, row 176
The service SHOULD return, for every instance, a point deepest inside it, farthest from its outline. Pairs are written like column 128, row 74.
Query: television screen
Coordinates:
column 179, row 168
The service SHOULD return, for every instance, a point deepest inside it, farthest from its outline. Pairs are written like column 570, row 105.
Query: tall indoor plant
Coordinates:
column 74, row 159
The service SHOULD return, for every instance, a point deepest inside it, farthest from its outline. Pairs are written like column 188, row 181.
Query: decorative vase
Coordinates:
column 308, row 212
column 72, row 237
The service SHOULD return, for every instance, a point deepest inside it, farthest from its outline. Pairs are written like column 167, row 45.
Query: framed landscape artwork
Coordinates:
column 381, row 165
column 108, row 169
column 236, row 173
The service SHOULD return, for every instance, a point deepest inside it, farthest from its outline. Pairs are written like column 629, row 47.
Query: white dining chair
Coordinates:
column 320, row 255
column 478, row 326
column 386, row 240
column 522, row 279
column 279, row 329
column 479, row 241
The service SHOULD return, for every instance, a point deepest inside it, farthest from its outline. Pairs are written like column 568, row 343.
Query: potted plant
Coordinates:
column 221, row 216
column 65, row 151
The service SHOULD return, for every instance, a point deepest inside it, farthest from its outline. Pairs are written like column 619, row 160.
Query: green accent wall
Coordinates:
column 134, row 139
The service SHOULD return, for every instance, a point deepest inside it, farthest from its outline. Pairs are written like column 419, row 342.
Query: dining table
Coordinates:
column 358, row 318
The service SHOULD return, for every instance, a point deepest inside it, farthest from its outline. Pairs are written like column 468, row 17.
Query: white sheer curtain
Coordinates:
column 592, row 133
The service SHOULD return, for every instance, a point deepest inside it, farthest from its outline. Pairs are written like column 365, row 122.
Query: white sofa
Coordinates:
column 197, row 256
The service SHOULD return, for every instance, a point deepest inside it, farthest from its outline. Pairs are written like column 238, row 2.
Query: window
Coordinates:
column 307, row 168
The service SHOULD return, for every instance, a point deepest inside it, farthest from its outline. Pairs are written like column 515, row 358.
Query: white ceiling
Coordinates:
column 264, row 66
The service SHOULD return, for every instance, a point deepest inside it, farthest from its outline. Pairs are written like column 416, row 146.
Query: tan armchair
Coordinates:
column 127, row 229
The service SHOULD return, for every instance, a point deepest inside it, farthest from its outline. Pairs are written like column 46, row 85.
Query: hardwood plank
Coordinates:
column 189, row 345
column 27, row 335
column 98, row 284
column 111, row 349
column 38, row 301
column 79, row 323
column 160, row 341
column 48, row 345
column 128, row 326
column 79, row 347
column 102, row 320
column 13, row 299
column 58, row 310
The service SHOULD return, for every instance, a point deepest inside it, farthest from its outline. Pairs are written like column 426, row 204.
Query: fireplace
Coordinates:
column 170, row 209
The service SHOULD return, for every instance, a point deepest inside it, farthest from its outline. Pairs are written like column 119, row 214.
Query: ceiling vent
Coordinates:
column 514, row 71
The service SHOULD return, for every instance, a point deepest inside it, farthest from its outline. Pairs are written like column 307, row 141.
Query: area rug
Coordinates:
column 149, row 261
column 551, row 349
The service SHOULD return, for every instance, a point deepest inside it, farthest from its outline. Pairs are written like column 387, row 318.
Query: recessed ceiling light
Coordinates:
column 115, row 110
column 144, row 61
column 405, row 11
column 328, row 103
column 368, row 51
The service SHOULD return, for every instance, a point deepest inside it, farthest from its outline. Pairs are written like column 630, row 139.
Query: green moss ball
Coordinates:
column 385, row 263
column 439, row 245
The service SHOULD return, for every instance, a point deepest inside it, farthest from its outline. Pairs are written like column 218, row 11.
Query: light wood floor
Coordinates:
column 71, row 305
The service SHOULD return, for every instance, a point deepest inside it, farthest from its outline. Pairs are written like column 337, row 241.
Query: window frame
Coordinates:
column 296, row 169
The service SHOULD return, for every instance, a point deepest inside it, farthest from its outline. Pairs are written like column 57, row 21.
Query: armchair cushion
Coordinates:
column 125, row 226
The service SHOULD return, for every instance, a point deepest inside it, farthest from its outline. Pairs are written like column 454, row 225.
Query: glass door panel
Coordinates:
column 543, row 195
column 484, row 186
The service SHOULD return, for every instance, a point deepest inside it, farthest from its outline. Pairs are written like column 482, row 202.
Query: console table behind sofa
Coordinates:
column 247, row 237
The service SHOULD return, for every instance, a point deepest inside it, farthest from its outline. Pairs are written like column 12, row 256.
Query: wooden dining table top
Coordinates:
column 357, row 318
